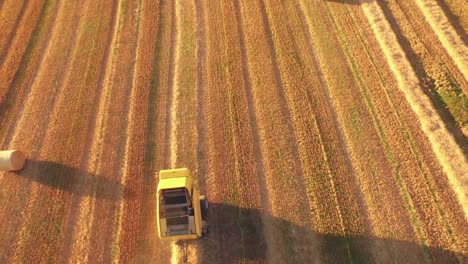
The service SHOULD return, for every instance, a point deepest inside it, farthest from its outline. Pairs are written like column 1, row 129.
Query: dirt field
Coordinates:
column 331, row 131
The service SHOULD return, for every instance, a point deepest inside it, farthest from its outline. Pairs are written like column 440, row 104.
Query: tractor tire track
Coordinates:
column 170, row 111
column 201, row 67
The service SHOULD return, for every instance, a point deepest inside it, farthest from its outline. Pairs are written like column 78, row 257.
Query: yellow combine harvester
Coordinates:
column 181, row 210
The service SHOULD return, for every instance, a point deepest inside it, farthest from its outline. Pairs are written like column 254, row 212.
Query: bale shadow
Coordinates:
column 236, row 235
column 70, row 179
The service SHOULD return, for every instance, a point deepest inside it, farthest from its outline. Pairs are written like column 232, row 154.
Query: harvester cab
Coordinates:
column 181, row 210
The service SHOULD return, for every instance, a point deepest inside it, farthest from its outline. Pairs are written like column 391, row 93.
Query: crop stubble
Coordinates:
column 41, row 103
column 227, row 155
column 402, row 148
column 34, row 226
column 19, row 85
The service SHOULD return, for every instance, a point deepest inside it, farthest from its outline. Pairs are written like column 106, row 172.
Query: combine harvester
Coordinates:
column 181, row 210
column 11, row 160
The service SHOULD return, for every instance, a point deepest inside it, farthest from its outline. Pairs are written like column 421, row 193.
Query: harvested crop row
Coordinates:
column 447, row 35
column 184, row 100
column 327, row 176
column 151, row 249
column 108, row 187
column 34, row 228
column 230, row 177
column 39, row 103
column 435, row 70
column 11, row 16
column 401, row 149
column 360, row 136
column 132, row 169
column 183, row 114
column 136, row 168
column 443, row 145
column 456, row 11
column 447, row 213
column 79, row 96
column 11, row 58
column 437, row 62
column 14, row 194
column 282, row 167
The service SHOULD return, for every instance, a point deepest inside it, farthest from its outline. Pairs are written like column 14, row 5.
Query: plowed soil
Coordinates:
column 329, row 131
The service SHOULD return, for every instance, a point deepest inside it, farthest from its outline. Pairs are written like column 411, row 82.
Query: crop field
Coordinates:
column 321, row 131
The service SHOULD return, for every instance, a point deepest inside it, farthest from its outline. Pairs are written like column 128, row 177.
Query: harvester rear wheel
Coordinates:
column 204, row 207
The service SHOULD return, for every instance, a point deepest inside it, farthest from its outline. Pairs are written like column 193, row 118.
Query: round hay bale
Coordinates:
column 11, row 160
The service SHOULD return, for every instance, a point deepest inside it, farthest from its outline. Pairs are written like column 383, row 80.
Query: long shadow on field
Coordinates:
column 69, row 179
column 346, row 2
column 454, row 21
column 237, row 234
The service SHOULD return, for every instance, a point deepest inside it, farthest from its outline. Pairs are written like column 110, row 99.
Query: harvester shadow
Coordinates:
column 236, row 235
column 70, row 179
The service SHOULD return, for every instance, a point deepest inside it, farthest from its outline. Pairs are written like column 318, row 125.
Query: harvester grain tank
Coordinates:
column 181, row 210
